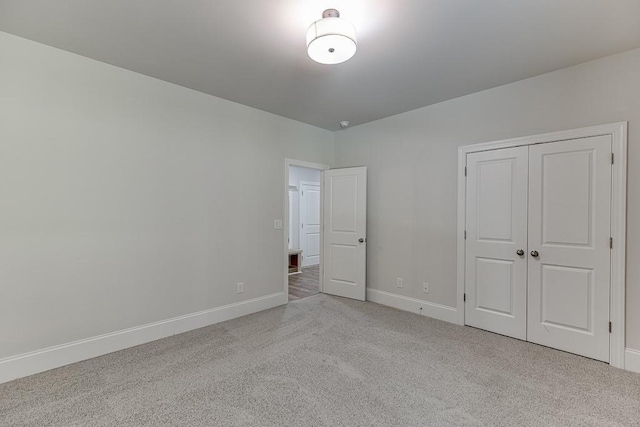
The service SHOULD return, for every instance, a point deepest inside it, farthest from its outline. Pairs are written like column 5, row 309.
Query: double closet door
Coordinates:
column 537, row 256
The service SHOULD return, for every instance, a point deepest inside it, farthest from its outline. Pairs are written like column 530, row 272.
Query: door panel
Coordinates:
column 345, row 203
column 569, row 227
column 344, row 260
column 344, row 212
column 496, row 228
column 495, row 201
column 310, row 224
column 562, row 284
column 494, row 280
column 567, row 184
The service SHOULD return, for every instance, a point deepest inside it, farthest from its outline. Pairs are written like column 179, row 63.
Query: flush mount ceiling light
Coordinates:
column 331, row 40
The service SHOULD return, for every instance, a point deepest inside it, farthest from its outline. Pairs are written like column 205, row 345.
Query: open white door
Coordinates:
column 344, row 234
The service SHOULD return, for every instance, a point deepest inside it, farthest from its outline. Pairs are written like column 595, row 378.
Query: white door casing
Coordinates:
column 344, row 234
column 294, row 218
column 569, row 231
column 496, row 229
column 310, row 223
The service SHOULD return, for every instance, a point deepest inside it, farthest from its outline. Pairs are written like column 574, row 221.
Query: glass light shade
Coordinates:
column 331, row 40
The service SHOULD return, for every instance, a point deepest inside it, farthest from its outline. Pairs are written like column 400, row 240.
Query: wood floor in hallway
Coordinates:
column 304, row 284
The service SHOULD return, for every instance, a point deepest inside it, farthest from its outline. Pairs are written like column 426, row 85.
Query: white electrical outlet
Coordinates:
column 425, row 287
column 240, row 287
column 277, row 224
column 399, row 282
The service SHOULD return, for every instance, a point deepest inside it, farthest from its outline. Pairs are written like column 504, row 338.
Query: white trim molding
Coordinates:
column 618, row 133
column 632, row 360
column 426, row 308
column 34, row 362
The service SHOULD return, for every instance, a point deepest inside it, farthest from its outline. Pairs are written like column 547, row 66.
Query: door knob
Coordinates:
column 520, row 252
column 361, row 240
column 535, row 254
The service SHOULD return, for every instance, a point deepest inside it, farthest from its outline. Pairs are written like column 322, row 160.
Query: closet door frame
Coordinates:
column 618, row 133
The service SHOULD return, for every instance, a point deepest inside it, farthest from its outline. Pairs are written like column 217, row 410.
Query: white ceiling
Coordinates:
column 411, row 53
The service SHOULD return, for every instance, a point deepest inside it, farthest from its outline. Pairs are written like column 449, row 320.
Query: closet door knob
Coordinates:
column 535, row 254
column 520, row 252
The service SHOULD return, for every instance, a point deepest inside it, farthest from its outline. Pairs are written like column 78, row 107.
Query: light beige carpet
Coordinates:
column 328, row 361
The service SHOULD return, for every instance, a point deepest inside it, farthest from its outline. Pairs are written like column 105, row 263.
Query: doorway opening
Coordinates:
column 328, row 240
column 304, row 211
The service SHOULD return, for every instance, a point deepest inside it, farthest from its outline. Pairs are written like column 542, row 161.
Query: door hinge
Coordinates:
column 302, row 193
column 611, row 158
column 465, row 171
column 611, row 242
column 464, row 297
column 301, row 225
column 610, row 327
column 465, row 234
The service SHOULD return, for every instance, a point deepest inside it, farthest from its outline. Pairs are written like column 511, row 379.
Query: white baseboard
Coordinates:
column 632, row 360
column 449, row 314
column 31, row 363
column 429, row 309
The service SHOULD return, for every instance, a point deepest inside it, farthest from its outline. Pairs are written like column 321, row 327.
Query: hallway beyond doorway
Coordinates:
column 304, row 284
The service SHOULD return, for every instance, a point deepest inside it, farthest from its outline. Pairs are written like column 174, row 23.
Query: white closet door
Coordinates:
column 344, row 235
column 569, row 253
column 496, row 276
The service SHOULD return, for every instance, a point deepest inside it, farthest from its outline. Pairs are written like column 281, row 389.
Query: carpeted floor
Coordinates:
column 328, row 361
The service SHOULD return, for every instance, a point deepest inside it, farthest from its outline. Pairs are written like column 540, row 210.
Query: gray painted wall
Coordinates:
column 297, row 174
column 412, row 160
column 128, row 200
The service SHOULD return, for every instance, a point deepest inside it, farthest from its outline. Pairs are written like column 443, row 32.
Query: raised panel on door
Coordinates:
column 496, row 217
column 310, row 224
column 344, row 262
column 569, row 230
